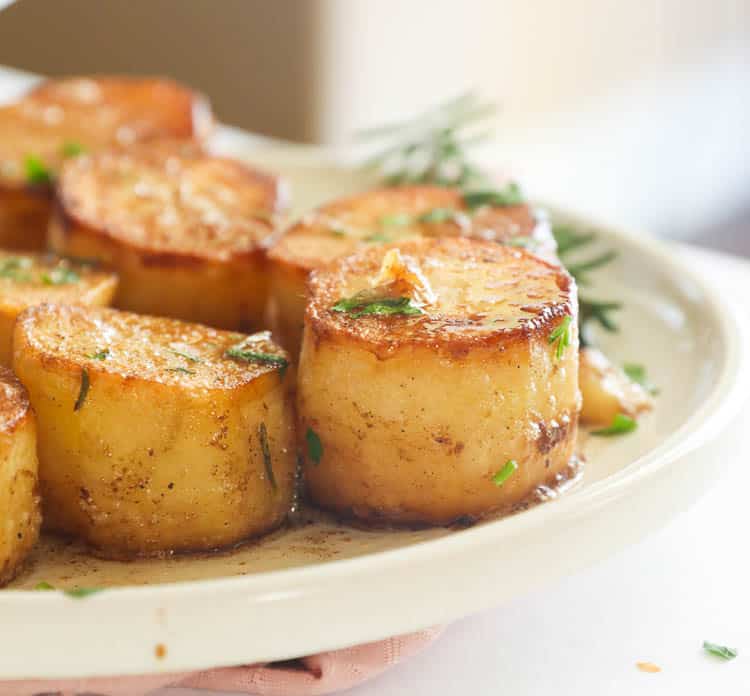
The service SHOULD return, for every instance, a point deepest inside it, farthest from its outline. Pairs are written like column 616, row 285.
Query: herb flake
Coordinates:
column 183, row 370
column 16, row 268
column 358, row 306
column 266, row 450
column 60, row 276
column 637, row 373
column 510, row 195
column 621, row 425
column 560, row 336
column 82, row 592
column 84, row 390
column 99, row 355
column 437, row 215
column 721, row 651
column 71, row 148
column 396, row 220
column 314, row 446
column 509, row 468
column 43, row 586
column 187, row 356
column 239, row 353
column 36, row 171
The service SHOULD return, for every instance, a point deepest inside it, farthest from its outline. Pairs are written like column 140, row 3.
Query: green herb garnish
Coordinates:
column 72, row 149
column 99, row 355
column 599, row 312
column 60, row 276
column 621, row 424
column 568, row 238
column 16, row 268
column 36, row 171
column 187, row 356
column 43, row 586
column 358, row 306
column 637, row 374
column 560, row 336
column 82, row 592
column 437, row 215
column 433, row 148
column 721, row 651
column 263, row 437
column 314, row 446
column 239, row 353
column 510, row 467
column 84, row 390
column 183, row 370
column 377, row 237
column 396, row 220
column 510, row 195
column 578, row 270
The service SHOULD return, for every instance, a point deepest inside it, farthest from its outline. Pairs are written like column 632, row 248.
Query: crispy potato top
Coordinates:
column 14, row 401
column 394, row 214
column 166, row 351
column 28, row 279
column 60, row 118
column 169, row 198
column 450, row 292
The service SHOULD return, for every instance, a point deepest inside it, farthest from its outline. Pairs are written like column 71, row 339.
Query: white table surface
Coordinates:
column 655, row 602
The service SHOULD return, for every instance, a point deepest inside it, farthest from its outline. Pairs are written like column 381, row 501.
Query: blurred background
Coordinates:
column 636, row 112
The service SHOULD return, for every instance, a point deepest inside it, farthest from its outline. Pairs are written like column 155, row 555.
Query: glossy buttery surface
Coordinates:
column 374, row 582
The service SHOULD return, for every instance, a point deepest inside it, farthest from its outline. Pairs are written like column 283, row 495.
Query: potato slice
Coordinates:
column 608, row 391
column 185, row 231
column 378, row 217
column 156, row 436
column 19, row 495
column 29, row 279
column 420, row 395
column 61, row 118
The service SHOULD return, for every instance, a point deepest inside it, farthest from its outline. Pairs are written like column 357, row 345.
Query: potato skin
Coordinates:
column 90, row 113
column 92, row 287
column 206, row 263
column 20, row 514
column 164, row 455
column 415, row 415
column 350, row 224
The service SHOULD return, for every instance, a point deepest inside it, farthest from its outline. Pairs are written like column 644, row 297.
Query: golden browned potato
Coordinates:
column 607, row 391
column 438, row 380
column 156, row 436
column 19, row 495
column 29, row 279
column 379, row 217
column 184, row 231
column 60, row 119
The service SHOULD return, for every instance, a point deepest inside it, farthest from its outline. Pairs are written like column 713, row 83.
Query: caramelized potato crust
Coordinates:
column 156, row 436
column 186, row 232
column 380, row 217
column 59, row 119
column 407, row 418
column 20, row 515
column 29, row 279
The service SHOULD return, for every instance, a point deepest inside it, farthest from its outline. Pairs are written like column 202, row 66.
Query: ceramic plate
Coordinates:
column 321, row 585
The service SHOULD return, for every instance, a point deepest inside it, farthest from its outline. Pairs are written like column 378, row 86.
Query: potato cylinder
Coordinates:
column 156, row 436
column 19, row 490
column 438, row 381
column 184, row 231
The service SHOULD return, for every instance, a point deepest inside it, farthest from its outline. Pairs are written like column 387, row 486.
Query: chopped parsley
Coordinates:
column 71, row 148
column 510, row 468
column 60, row 276
column 396, row 220
column 76, row 593
column 187, row 356
column 637, row 374
column 579, row 270
column 560, row 336
column 43, row 586
column 99, row 355
column 314, row 446
column 621, row 424
column 358, row 306
column 599, row 312
column 568, row 238
column 84, row 390
column 16, row 268
column 721, row 651
column 437, row 215
column 183, row 370
column 238, row 352
column 36, row 171
column 510, row 195
column 265, row 448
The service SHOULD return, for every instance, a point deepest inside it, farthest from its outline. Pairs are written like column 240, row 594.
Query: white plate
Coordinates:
column 323, row 586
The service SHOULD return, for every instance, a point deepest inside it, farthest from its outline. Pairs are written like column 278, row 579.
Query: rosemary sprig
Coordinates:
column 433, row 147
